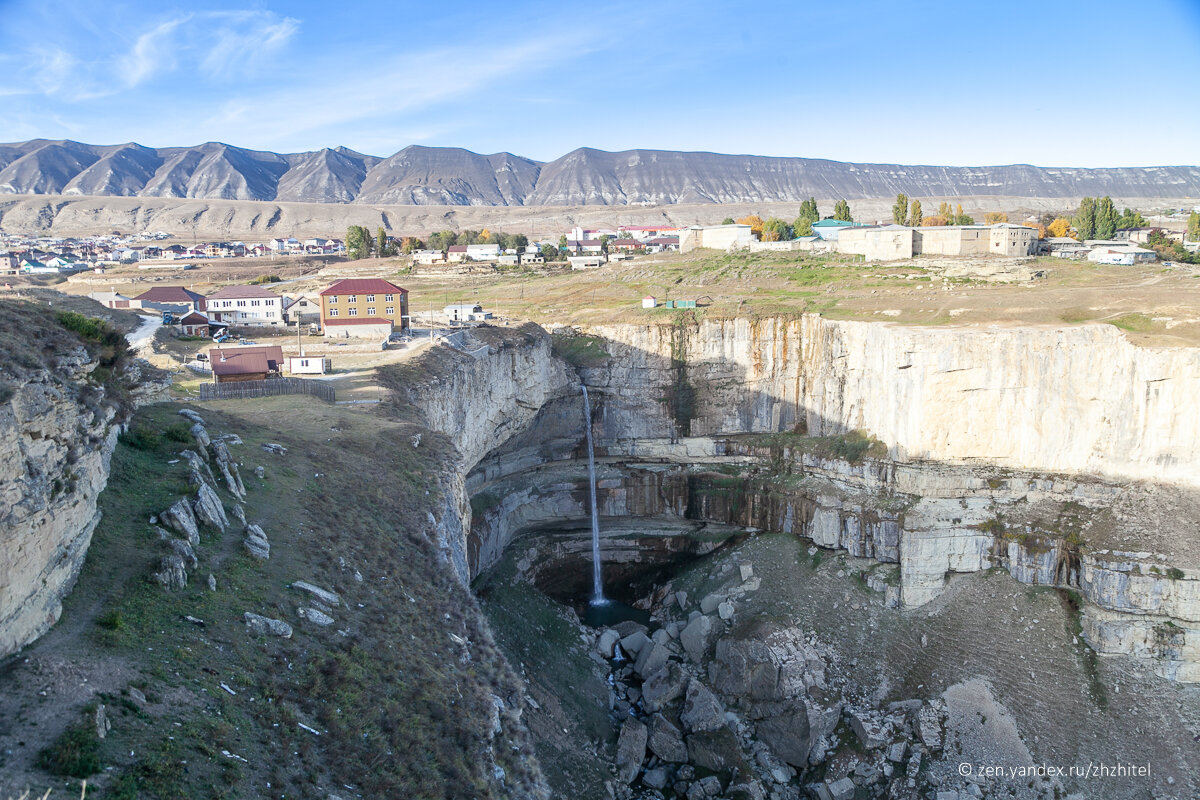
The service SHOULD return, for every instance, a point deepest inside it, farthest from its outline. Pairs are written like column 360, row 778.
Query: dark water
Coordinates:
column 610, row 612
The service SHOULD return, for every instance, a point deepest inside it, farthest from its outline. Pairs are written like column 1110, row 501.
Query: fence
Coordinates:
column 268, row 388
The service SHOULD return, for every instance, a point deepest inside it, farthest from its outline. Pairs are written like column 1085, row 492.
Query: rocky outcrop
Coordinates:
column 56, row 438
column 1079, row 399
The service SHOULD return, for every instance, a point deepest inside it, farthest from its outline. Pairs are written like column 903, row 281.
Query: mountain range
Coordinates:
column 450, row 176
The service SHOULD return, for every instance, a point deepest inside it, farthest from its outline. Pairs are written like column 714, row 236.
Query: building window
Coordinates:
column 254, row 302
column 370, row 298
column 391, row 310
column 333, row 298
column 387, row 298
column 370, row 311
column 241, row 303
column 304, row 362
column 333, row 312
column 352, row 298
column 353, row 312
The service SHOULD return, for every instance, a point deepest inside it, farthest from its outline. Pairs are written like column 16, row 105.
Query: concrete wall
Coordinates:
column 715, row 237
column 877, row 244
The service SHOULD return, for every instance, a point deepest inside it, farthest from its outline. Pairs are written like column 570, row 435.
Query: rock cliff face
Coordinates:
column 1010, row 448
column 54, row 454
column 1075, row 400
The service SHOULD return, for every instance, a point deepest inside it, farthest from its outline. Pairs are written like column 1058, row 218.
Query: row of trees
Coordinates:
column 360, row 243
column 1098, row 219
column 906, row 212
column 774, row 229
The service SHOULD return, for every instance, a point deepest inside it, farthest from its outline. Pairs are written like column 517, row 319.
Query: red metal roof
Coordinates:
column 194, row 318
column 240, row 292
column 363, row 286
column 245, row 360
column 359, row 321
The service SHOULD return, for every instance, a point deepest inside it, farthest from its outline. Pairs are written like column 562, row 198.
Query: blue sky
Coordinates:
column 1055, row 84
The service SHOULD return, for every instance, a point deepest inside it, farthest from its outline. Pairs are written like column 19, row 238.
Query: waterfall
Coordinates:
column 597, row 578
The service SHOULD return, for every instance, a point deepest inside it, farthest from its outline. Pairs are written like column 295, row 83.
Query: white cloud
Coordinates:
column 223, row 45
column 152, row 51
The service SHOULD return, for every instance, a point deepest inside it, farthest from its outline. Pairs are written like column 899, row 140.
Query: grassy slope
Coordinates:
column 402, row 705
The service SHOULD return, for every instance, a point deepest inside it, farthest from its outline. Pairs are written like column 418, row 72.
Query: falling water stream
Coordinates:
column 597, row 579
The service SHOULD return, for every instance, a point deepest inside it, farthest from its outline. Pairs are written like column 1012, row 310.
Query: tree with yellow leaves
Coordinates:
column 993, row 217
column 755, row 222
column 1060, row 227
column 485, row 236
column 934, row 221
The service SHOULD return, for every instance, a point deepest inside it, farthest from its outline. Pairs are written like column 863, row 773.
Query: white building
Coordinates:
column 714, row 237
column 483, row 252
column 246, row 305
column 309, row 365
column 466, row 312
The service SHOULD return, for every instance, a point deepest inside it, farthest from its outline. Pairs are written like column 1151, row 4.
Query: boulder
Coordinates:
column 191, row 416
column 324, row 595
column 260, row 472
column 695, row 637
column 208, row 509
column 258, row 624
column 314, row 616
column 103, row 726
column 702, row 710
column 871, row 732
column 929, row 728
column 277, row 449
column 634, row 642
column 138, row 697
column 725, row 610
column 239, row 514
column 181, row 519
column 709, row 603
column 656, row 778
column 651, row 659
column 631, row 749
column 198, row 466
column 896, row 752
column 716, row 750
column 788, row 735
column 172, row 575
column 842, row 789
column 200, row 434
column 663, row 687
column 748, row 790
column 744, row 668
column 256, row 543
column 746, row 571
column 666, row 740
column 607, row 642
column 183, row 548
column 212, row 582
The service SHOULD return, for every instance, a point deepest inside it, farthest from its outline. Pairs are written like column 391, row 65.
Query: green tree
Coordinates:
column 442, row 240
column 805, row 219
column 1193, row 228
column 1085, row 220
column 962, row 219
column 900, row 209
column 562, row 243
column 1131, row 219
column 382, row 248
column 358, row 242
column 727, row 221
column 841, row 211
column 946, row 212
column 914, row 214
column 550, row 252
column 776, row 230
column 519, row 241
column 604, row 240
column 1106, row 218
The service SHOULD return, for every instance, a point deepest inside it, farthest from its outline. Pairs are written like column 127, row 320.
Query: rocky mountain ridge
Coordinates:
column 450, row 176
